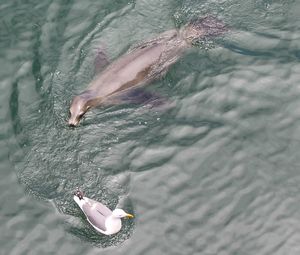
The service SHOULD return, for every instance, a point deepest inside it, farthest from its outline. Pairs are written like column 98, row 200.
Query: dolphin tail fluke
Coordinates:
column 205, row 27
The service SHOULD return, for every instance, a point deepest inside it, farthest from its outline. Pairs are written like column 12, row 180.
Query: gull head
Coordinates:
column 119, row 213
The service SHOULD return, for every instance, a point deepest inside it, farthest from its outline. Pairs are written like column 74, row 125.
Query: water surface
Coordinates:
column 217, row 173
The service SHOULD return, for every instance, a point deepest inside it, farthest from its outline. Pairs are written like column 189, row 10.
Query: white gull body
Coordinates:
column 99, row 216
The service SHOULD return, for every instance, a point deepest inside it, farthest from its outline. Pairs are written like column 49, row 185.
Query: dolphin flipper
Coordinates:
column 101, row 60
column 138, row 96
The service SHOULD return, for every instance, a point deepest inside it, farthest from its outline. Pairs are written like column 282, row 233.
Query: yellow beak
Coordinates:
column 129, row 215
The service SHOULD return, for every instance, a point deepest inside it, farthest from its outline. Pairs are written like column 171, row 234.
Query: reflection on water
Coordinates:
column 215, row 174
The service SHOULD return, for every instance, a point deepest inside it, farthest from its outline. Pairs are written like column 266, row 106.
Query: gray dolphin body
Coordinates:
column 142, row 64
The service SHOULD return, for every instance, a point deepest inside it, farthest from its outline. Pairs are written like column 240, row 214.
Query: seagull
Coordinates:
column 99, row 216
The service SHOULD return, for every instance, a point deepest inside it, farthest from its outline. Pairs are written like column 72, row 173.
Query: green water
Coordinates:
column 218, row 173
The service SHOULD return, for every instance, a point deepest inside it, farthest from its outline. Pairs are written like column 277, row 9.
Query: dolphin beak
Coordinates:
column 128, row 215
column 73, row 122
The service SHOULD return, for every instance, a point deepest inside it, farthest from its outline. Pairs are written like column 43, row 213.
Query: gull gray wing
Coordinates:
column 101, row 208
column 94, row 216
